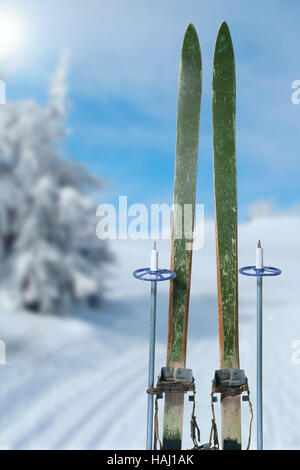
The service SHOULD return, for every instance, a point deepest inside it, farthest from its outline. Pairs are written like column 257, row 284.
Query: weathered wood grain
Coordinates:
column 186, row 158
column 225, row 184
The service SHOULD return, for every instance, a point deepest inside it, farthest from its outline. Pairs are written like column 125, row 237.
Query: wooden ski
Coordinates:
column 186, row 158
column 225, row 186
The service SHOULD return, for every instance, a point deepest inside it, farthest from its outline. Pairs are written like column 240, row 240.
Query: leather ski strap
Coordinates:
column 214, row 431
column 156, row 427
column 250, row 422
column 195, row 431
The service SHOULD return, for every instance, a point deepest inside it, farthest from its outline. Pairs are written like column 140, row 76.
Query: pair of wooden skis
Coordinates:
column 228, row 380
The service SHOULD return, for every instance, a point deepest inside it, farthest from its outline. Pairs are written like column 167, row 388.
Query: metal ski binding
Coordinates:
column 230, row 382
column 178, row 380
column 178, row 374
column 174, row 380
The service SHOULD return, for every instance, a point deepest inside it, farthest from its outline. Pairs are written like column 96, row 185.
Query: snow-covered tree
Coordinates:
column 49, row 254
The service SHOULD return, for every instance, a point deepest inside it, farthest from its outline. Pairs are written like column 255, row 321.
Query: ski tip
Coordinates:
column 224, row 42
column 224, row 28
column 154, row 246
column 191, row 41
column 191, row 29
column 259, row 244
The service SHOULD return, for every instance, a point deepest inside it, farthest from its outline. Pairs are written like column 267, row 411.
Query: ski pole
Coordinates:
column 259, row 271
column 154, row 275
column 259, row 339
column 154, row 267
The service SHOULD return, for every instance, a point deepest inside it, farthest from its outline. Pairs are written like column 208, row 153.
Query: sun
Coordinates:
column 10, row 34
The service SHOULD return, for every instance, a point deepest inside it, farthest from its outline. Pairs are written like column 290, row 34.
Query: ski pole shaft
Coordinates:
column 151, row 364
column 259, row 364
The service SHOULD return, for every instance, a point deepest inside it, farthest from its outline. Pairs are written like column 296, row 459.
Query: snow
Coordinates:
column 78, row 381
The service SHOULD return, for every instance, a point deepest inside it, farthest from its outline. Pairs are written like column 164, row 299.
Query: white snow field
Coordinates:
column 78, row 381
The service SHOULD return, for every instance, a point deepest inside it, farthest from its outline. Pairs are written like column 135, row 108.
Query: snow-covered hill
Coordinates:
column 78, row 381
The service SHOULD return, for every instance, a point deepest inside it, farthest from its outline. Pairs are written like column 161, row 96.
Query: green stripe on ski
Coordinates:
column 186, row 158
column 188, row 118
column 224, row 104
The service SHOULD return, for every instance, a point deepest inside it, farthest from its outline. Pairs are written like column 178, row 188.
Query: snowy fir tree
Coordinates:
column 50, row 256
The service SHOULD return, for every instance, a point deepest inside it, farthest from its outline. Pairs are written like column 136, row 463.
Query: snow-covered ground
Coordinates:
column 78, row 381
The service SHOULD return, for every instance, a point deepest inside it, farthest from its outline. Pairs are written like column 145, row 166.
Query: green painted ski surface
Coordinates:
column 186, row 158
column 224, row 110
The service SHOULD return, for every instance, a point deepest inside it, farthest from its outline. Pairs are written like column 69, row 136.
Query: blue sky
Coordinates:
column 123, row 88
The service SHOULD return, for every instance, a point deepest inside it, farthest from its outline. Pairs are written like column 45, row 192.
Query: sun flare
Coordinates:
column 10, row 33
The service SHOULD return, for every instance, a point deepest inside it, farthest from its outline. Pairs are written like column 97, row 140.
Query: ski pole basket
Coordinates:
column 257, row 272
column 145, row 274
